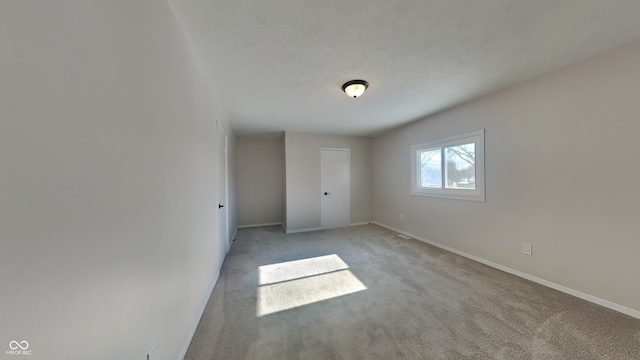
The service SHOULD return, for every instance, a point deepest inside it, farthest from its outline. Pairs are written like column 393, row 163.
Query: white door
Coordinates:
column 335, row 194
column 223, row 234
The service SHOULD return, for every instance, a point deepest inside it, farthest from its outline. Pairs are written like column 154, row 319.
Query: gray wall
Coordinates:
column 562, row 166
column 284, row 185
column 107, row 180
column 260, row 171
column 232, row 158
column 303, row 202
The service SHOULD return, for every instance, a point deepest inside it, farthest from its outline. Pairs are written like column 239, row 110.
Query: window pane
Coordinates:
column 460, row 166
column 430, row 165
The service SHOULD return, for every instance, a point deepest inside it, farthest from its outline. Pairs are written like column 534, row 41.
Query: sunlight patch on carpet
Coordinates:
column 292, row 284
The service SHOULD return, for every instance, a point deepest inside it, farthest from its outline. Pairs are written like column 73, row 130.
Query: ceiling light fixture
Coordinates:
column 355, row 88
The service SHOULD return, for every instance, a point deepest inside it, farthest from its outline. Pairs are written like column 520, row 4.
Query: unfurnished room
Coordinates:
column 216, row 179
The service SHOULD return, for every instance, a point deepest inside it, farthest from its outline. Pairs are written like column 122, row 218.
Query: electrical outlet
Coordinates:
column 526, row 249
column 401, row 217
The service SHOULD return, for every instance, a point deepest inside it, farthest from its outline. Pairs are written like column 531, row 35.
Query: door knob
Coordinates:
column 326, row 193
column 220, row 206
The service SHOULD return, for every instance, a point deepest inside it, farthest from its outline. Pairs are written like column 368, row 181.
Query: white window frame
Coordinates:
column 476, row 194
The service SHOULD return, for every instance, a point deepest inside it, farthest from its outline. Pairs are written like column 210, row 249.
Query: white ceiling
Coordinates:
column 278, row 65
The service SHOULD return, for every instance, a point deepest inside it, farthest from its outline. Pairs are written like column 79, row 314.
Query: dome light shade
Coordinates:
column 355, row 88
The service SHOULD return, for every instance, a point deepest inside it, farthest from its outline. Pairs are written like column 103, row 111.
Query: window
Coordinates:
column 450, row 168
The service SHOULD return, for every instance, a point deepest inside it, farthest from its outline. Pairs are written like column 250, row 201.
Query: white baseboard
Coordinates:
column 231, row 239
column 319, row 228
column 562, row 288
column 302, row 230
column 194, row 327
column 259, row 225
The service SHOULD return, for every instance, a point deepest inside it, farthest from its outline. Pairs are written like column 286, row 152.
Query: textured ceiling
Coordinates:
column 278, row 65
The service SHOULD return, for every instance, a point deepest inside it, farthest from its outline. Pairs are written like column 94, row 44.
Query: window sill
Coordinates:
column 450, row 195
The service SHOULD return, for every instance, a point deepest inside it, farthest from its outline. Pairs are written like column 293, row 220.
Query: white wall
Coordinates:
column 561, row 173
column 303, row 193
column 260, row 171
column 107, row 180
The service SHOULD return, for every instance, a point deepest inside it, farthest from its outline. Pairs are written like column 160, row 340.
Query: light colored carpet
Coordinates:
column 364, row 293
